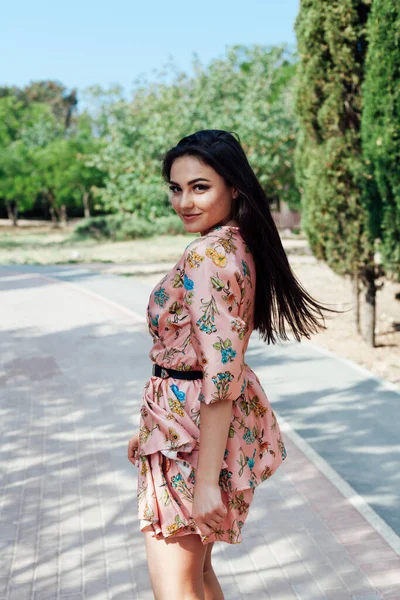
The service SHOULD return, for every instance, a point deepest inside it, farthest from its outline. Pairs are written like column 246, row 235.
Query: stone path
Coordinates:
column 72, row 370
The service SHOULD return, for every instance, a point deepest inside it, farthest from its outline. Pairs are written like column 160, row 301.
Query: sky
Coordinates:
column 84, row 43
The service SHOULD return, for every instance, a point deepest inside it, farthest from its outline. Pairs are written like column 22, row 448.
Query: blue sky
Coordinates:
column 86, row 43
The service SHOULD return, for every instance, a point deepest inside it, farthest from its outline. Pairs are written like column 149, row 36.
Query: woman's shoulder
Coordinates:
column 222, row 248
column 226, row 237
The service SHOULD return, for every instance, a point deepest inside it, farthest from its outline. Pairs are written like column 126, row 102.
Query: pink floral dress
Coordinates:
column 200, row 316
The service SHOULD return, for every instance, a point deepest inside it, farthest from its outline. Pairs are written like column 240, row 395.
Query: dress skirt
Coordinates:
column 169, row 443
column 165, row 497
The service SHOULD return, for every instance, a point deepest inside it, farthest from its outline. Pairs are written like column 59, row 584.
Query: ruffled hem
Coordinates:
column 158, row 533
column 165, row 500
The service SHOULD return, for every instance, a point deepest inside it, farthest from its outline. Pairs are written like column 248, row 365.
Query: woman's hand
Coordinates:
column 208, row 509
column 133, row 445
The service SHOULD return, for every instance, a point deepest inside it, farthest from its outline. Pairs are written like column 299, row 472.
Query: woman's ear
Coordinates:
column 235, row 193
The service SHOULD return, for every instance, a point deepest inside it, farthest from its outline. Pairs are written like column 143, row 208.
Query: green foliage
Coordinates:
column 381, row 129
column 40, row 158
column 122, row 226
column 169, row 225
column 328, row 159
column 61, row 102
column 38, row 126
column 249, row 92
column 10, row 118
column 112, row 155
column 18, row 179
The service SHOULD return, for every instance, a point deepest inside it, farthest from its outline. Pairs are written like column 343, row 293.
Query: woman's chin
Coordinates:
column 192, row 227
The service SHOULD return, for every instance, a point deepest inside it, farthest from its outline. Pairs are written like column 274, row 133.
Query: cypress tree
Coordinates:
column 380, row 128
column 329, row 165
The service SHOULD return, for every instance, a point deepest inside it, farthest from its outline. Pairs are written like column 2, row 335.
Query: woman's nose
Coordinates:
column 186, row 199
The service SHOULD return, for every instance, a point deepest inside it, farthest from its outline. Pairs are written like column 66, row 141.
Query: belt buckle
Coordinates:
column 164, row 374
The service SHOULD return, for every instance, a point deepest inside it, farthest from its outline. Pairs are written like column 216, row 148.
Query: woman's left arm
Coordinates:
column 215, row 419
column 213, row 297
column 208, row 508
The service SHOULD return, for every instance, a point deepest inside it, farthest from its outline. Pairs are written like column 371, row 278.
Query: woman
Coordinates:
column 192, row 490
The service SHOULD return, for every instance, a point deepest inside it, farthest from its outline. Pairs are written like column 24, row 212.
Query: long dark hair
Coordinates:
column 279, row 295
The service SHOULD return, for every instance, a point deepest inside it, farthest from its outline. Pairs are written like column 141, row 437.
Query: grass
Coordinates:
column 44, row 245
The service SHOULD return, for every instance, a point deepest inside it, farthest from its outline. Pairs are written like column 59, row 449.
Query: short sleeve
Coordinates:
column 213, row 292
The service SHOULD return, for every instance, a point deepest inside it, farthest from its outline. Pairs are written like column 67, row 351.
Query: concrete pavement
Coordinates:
column 74, row 359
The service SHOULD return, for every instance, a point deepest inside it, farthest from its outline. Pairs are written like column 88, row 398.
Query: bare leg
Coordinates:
column 176, row 567
column 212, row 588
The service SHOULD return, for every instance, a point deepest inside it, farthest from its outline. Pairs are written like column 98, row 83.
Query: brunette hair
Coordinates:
column 279, row 295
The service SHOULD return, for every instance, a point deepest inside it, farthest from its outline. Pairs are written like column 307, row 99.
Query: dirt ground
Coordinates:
column 341, row 337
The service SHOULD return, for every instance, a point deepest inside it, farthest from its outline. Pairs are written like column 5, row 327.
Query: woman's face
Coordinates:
column 196, row 189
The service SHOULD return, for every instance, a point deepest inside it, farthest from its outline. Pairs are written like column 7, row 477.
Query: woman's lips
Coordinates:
column 190, row 217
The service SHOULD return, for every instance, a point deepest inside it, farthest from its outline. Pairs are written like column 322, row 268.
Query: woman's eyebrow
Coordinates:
column 192, row 181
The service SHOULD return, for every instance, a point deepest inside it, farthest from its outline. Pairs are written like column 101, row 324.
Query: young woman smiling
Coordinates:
column 208, row 434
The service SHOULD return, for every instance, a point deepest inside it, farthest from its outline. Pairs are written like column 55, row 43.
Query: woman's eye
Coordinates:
column 198, row 185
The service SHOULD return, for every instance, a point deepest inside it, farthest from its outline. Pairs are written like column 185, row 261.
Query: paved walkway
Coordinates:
column 72, row 369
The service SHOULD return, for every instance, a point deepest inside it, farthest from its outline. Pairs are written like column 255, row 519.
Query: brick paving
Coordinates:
column 71, row 375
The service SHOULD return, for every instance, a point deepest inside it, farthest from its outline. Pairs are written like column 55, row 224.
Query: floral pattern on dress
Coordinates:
column 200, row 316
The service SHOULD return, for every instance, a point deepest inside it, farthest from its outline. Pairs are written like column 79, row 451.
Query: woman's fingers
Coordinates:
column 222, row 512
column 213, row 523
column 214, row 517
column 133, row 460
column 204, row 528
column 207, row 528
column 207, row 524
column 208, row 508
column 132, row 449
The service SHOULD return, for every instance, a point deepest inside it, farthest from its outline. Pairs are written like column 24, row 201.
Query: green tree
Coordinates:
column 81, row 180
column 18, row 181
column 381, row 129
column 66, row 181
column 249, row 92
column 40, row 157
column 11, row 110
column 330, row 169
column 62, row 102
column 23, row 129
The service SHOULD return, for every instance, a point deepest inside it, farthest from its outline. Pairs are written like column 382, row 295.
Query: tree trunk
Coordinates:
column 12, row 212
column 53, row 216
column 355, row 283
column 53, row 209
column 370, row 308
column 63, row 215
column 86, row 206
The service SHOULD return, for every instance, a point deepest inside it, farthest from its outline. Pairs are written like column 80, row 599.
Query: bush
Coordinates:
column 171, row 225
column 124, row 226
column 97, row 227
column 132, row 228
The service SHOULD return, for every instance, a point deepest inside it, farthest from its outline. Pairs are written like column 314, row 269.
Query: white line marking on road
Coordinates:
column 138, row 318
column 120, row 307
column 16, row 277
column 344, row 488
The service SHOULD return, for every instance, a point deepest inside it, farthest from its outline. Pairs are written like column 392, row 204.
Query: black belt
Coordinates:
column 165, row 373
